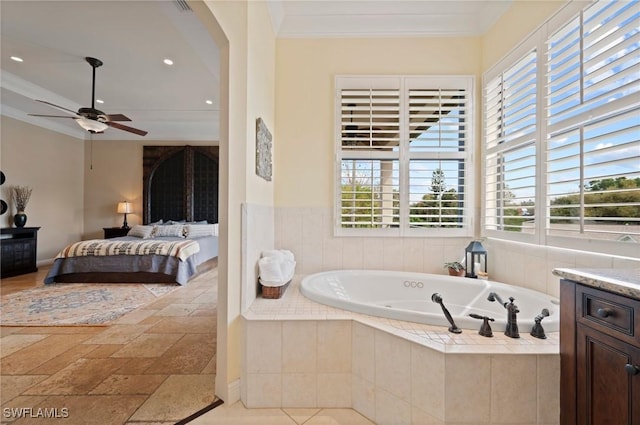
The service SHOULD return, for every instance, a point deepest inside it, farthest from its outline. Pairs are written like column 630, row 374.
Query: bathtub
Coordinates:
column 407, row 296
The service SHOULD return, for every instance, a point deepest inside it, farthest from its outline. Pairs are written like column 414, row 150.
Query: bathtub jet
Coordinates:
column 408, row 296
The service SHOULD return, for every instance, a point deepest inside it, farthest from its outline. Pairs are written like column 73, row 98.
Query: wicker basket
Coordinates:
column 274, row 292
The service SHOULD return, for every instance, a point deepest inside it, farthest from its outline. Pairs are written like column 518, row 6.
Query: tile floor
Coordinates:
column 154, row 366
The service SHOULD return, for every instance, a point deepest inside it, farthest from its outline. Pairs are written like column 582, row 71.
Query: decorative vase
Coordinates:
column 20, row 219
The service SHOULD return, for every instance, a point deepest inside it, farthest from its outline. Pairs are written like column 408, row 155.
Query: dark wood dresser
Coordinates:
column 600, row 350
column 19, row 247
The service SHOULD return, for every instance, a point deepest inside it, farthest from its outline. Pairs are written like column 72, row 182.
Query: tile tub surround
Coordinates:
column 308, row 232
column 301, row 354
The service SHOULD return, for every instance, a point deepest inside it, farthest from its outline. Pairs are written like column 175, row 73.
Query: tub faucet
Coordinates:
column 537, row 330
column 437, row 298
column 485, row 328
column 512, row 311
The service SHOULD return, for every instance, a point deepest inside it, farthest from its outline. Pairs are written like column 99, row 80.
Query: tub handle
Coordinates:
column 485, row 328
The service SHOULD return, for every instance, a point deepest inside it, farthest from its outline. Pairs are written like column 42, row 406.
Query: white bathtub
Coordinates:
column 407, row 296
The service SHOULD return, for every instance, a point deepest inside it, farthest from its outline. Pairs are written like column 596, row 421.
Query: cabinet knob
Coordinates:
column 632, row 369
column 604, row 312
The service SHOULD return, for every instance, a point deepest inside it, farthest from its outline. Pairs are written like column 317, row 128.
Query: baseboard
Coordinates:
column 45, row 262
column 234, row 392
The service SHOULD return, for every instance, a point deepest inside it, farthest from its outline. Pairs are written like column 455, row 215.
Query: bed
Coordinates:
column 180, row 203
column 158, row 259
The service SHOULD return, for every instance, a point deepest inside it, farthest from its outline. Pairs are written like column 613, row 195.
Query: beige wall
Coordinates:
column 520, row 20
column 243, row 33
column 51, row 164
column 305, row 75
column 113, row 173
column 261, row 63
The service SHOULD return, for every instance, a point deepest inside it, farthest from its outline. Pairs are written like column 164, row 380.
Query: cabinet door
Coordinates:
column 607, row 393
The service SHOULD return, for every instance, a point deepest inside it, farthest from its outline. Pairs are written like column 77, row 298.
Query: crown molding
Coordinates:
column 51, row 125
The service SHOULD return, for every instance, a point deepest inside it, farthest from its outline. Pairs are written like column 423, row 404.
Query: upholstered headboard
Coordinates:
column 180, row 183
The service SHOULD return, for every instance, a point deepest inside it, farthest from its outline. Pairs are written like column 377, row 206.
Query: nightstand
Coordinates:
column 114, row 232
column 19, row 247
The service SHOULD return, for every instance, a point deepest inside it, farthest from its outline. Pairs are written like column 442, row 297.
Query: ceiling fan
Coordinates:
column 92, row 119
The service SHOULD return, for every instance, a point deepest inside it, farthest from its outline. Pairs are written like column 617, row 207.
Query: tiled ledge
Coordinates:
column 295, row 306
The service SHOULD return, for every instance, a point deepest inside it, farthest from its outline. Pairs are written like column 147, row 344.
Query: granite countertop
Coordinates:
column 620, row 281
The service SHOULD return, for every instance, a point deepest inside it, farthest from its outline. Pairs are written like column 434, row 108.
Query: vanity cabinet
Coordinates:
column 600, row 357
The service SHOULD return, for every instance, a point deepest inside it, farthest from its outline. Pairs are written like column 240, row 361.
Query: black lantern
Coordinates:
column 476, row 259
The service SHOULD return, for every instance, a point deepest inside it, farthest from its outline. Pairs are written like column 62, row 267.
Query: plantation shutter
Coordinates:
column 438, row 121
column 593, row 110
column 510, row 128
column 369, row 143
column 396, row 137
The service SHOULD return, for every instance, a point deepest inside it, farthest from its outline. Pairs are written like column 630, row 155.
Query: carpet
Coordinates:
column 67, row 304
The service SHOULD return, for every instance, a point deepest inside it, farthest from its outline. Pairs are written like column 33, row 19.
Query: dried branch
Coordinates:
column 21, row 195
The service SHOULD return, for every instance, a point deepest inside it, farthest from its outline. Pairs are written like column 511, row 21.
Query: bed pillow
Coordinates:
column 175, row 230
column 140, row 231
column 200, row 230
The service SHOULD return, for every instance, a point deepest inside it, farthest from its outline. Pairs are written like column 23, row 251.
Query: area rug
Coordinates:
column 66, row 304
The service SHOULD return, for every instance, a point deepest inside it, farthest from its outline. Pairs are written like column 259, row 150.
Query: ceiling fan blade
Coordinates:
column 62, row 108
column 126, row 128
column 50, row 116
column 117, row 117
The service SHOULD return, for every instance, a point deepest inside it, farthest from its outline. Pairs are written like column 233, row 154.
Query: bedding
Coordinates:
column 133, row 259
column 103, row 247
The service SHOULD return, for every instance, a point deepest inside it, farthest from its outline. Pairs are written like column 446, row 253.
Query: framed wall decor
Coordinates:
column 263, row 150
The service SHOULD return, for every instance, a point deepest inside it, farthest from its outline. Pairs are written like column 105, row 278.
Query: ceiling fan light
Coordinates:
column 92, row 126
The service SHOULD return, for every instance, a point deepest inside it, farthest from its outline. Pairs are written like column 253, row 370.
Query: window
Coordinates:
column 510, row 110
column 593, row 115
column 562, row 133
column 403, row 155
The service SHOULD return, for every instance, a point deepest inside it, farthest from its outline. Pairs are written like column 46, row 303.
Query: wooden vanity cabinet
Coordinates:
column 600, row 357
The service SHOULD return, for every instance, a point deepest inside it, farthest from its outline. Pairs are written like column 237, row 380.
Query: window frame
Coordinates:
column 404, row 156
column 538, row 40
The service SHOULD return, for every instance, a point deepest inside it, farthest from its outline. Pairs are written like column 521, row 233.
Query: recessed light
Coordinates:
column 17, row 59
column 99, row 101
column 168, row 61
column 209, row 102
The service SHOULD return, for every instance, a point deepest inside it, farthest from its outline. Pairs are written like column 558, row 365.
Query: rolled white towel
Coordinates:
column 287, row 269
column 270, row 269
column 279, row 253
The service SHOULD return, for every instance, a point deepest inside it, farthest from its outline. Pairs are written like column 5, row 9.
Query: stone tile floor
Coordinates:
column 154, row 366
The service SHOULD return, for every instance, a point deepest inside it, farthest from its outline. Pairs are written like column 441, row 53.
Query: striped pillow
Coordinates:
column 199, row 230
column 139, row 231
column 174, row 230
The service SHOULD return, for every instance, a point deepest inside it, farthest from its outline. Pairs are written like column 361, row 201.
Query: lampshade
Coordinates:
column 124, row 207
column 92, row 126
